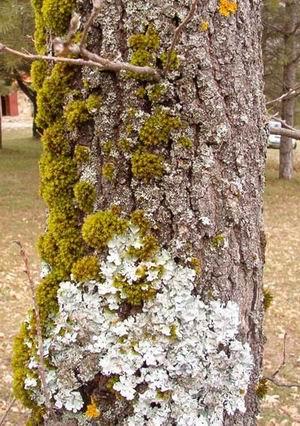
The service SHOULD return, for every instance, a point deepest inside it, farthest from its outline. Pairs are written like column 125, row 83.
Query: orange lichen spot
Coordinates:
column 227, row 7
column 92, row 411
column 203, row 26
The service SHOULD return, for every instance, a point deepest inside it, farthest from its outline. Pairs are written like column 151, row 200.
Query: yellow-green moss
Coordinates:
column 196, row 264
column 111, row 382
column 268, row 298
column 156, row 92
column 86, row 268
column 40, row 32
column 146, row 166
column 138, row 219
column 147, row 251
column 158, row 127
column 58, row 176
column 173, row 332
column 101, row 227
column 76, row 113
column 170, row 59
column 218, row 241
column 137, row 292
column 54, row 140
column 57, row 15
column 85, row 195
column 51, row 96
column 81, row 154
column 185, row 142
column 46, row 297
column 38, row 74
column 93, row 103
column 108, row 171
column 262, row 388
column 36, row 417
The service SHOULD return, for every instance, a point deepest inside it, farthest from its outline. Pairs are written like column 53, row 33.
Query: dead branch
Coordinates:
column 179, row 31
column 272, row 378
column 99, row 62
column 10, row 405
column 97, row 5
column 293, row 134
column 292, row 93
column 284, row 125
column 41, row 364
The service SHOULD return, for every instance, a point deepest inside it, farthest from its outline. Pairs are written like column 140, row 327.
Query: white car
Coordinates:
column 274, row 140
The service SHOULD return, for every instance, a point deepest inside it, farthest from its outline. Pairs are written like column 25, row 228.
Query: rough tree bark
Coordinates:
column 186, row 155
column 289, row 81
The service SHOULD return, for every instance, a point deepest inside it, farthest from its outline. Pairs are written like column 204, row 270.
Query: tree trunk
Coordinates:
column 289, row 81
column 174, row 172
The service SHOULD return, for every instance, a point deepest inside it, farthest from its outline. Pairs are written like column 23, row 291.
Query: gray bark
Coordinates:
column 219, row 92
column 289, row 81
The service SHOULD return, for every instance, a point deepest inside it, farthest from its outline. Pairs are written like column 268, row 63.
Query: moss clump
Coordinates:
column 57, row 15
column 158, row 127
column 135, row 293
column 76, row 112
column 156, row 92
column 108, row 171
column 55, row 141
column 138, row 219
column 39, row 71
column 170, row 60
column 58, row 176
column 196, row 264
column 262, row 388
column 46, row 297
column 36, row 417
column 101, row 227
column 144, row 48
column 40, row 32
column 50, row 97
column 93, row 103
column 147, row 251
column 268, row 298
column 185, row 142
column 21, row 357
column 85, row 196
column 218, row 241
column 146, row 166
column 86, row 268
column 81, row 154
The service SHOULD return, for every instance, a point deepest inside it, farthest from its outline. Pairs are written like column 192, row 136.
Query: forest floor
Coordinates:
column 22, row 219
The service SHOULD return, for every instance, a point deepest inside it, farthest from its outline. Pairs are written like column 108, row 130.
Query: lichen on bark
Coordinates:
column 175, row 168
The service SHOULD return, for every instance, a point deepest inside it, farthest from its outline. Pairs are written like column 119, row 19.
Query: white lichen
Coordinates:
column 184, row 353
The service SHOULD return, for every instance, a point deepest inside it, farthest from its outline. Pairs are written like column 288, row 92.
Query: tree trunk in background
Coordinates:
column 289, row 81
column 189, row 153
column 0, row 124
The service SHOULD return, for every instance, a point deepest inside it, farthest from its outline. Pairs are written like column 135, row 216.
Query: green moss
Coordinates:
column 196, row 264
column 185, row 142
column 107, row 147
column 172, row 60
column 173, row 332
column 140, row 92
column 262, row 388
column 76, row 113
column 164, row 395
column 57, row 15
column 135, row 293
column 93, row 103
column 54, row 140
column 268, row 298
column 39, row 71
column 111, row 382
column 81, row 154
column 101, row 227
column 156, row 92
column 51, row 96
column 58, row 176
column 86, row 268
column 158, row 127
column 125, row 145
column 36, row 417
column 146, row 166
column 40, row 32
column 218, row 241
column 46, row 297
column 47, row 248
column 108, row 171
column 21, row 357
column 147, row 251
column 85, row 196
column 138, row 219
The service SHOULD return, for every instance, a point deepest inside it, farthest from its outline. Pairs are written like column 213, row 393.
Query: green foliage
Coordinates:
column 146, row 166
column 85, row 195
column 101, row 227
column 86, row 268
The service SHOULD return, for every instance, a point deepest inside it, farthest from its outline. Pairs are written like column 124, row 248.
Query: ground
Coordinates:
column 22, row 219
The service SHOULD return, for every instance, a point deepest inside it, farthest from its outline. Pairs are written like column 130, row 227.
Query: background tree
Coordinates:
column 150, row 310
column 16, row 30
column 281, row 57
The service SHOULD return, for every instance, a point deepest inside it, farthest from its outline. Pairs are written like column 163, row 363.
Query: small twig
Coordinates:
column 286, row 126
column 97, row 4
column 97, row 61
column 41, row 366
column 290, row 94
column 10, row 405
column 272, row 378
column 179, row 31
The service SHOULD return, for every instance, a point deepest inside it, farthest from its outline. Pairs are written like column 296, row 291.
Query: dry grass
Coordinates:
column 23, row 217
